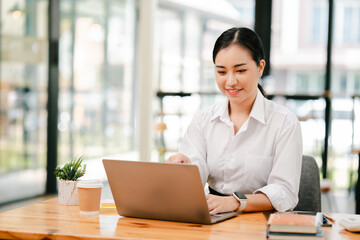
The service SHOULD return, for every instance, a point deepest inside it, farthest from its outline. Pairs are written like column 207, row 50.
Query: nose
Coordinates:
column 231, row 81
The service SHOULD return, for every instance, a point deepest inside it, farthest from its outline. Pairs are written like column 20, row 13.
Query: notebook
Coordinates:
column 162, row 191
column 295, row 236
column 293, row 222
column 295, row 225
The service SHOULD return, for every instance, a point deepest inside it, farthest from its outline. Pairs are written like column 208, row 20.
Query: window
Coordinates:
column 298, row 48
column 319, row 25
column 298, row 59
column 23, row 98
column 345, row 84
column 351, row 28
column 171, row 49
column 96, row 116
column 357, row 83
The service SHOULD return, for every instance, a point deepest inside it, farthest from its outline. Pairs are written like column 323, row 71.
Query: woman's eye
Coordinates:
column 241, row 70
column 221, row 72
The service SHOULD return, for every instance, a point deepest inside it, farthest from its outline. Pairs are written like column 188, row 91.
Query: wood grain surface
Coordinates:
column 49, row 220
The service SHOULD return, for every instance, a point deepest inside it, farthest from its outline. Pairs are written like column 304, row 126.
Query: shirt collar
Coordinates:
column 257, row 111
column 221, row 110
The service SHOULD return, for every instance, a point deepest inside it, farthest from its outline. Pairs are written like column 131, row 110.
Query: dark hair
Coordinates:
column 244, row 37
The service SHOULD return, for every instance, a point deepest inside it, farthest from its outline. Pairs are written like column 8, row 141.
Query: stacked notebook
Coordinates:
column 294, row 226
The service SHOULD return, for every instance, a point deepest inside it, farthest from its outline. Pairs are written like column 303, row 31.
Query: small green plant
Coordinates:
column 72, row 170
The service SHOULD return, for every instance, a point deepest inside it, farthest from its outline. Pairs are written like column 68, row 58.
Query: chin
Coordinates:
column 236, row 100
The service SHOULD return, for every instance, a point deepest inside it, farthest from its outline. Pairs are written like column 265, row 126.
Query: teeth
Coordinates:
column 233, row 90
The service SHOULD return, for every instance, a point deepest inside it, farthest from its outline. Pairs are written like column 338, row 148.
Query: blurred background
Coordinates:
column 122, row 79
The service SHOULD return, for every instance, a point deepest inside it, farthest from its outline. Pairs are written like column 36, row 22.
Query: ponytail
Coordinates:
column 261, row 90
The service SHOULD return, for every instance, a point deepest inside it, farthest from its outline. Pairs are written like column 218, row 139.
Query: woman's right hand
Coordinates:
column 178, row 158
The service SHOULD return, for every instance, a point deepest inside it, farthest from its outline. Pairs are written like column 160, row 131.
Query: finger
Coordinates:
column 214, row 211
column 180, row 159
column 170, row 159
column 211, row 200
column 187, row 160
column 211, row 203
column 173, row 159
column 211, row 206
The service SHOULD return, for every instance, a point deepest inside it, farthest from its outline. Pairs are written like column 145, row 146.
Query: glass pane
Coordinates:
column 346, row 48
column 170, row 47
column 298, row 60
column 96, row 116
column 345, row 84
column 311, row 114
column 340, row 159
column 298, row 47
column 23, row 98
column 356, row 122
column 192, row 63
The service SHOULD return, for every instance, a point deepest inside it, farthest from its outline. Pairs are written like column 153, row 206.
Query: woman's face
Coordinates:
column 237, row 74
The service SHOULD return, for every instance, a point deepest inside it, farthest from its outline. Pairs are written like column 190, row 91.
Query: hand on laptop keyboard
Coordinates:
column 178, row 158
column 221, row 204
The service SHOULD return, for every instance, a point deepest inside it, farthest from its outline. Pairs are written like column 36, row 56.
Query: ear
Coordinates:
column 261, row 67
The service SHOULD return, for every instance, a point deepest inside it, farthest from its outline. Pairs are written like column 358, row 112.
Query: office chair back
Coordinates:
column 309, row 190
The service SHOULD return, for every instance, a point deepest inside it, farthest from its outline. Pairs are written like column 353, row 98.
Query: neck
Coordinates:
column 243, row 108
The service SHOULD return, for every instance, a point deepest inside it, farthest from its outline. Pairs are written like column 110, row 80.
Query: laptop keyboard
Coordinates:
column 222, row 216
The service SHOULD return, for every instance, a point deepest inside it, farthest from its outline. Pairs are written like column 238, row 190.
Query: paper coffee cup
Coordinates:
column 89, row 196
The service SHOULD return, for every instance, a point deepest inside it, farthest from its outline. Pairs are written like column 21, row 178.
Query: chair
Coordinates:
column 309, row 190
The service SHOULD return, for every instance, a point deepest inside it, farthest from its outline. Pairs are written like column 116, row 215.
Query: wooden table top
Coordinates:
column 49, row 220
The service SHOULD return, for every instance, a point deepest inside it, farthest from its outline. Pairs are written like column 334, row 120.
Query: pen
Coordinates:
column 329, row 218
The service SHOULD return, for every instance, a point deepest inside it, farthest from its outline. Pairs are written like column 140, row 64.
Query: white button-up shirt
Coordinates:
column 265, row 155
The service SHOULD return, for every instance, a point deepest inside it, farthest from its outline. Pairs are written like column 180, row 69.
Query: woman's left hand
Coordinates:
column 220, row 204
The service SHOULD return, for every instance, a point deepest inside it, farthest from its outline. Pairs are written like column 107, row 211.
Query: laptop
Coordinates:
column 161, row 191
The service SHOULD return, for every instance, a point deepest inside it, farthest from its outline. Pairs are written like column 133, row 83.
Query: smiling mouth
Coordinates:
column 233, row 91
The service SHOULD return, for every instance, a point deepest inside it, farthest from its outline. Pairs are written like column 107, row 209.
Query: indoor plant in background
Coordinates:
column 68, row 176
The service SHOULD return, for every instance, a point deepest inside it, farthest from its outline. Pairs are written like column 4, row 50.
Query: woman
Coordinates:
column 246, row 145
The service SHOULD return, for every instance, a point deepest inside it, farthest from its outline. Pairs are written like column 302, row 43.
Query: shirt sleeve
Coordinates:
column 284, row 179
column 193, row 146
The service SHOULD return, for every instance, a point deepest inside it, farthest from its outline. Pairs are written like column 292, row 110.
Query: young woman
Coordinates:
column 248, row 149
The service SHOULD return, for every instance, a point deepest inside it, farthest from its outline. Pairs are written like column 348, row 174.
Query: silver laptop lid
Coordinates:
column 163, row 191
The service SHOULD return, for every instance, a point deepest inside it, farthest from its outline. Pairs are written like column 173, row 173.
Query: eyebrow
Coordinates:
column 236, row 65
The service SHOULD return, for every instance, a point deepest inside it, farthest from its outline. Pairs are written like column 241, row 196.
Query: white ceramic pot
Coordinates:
column 68, row 192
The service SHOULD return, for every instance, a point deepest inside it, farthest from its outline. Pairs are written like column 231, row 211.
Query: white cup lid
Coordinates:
column 93, row 183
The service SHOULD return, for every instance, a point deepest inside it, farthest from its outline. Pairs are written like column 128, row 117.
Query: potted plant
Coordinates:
column 68, row 176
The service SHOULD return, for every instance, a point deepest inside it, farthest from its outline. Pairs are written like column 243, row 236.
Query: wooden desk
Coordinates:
column 48, row 220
